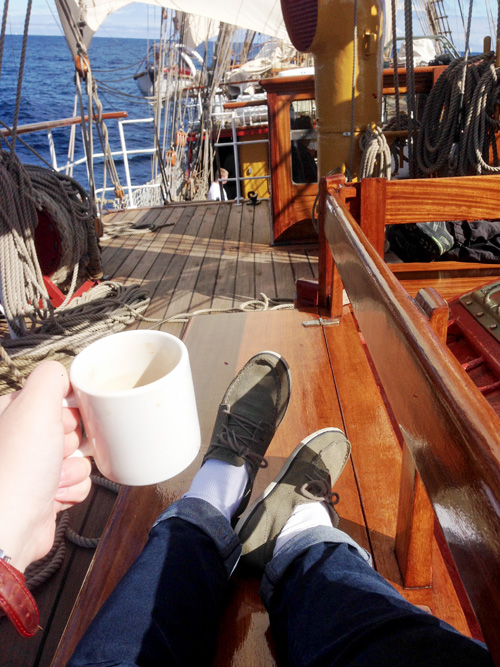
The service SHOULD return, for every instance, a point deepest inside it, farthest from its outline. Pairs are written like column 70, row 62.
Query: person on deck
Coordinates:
column 216, row 191
column 327, row 605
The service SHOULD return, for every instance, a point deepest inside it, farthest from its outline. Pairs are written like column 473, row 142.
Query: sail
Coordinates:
column 263, row 16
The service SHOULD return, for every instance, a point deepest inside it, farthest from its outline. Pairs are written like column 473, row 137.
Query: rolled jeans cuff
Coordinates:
column 207, row 518
column 296, row 546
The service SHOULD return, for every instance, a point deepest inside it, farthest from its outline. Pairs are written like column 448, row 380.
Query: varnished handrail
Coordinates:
column 452, row 432
column 62, row 122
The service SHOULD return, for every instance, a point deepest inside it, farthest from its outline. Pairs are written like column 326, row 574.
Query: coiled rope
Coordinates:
column 38, row 330
column 41, row 570
column 107, row 307
column 458, row 121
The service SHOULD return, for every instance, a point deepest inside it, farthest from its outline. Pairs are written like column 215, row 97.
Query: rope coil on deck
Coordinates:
column 41, row 570
column 38, row 330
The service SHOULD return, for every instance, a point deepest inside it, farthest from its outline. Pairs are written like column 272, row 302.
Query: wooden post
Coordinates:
column 330, row 282
column 372, row 213
column 415, row 525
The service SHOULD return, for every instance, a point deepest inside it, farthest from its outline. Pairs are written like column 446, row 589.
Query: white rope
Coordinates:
column 376, row 154
column 252, row 305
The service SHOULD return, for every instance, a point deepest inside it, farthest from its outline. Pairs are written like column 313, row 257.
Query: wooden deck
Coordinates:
column 217, row 256
column 206, row 256
column 198, row 257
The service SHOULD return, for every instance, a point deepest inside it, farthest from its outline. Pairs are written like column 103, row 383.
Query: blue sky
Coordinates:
column 139, row 20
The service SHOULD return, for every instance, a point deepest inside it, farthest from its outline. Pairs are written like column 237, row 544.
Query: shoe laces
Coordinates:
column 318, row 488
column 241, row 441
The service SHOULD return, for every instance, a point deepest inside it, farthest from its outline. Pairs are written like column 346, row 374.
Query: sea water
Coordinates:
column 48, row 93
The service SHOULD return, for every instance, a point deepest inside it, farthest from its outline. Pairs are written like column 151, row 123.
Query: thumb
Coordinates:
column 44, row 391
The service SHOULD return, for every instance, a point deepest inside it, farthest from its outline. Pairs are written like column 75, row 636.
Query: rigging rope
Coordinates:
column 376, row 154
column 458, row 121
column 38, row 330
column 410, row 87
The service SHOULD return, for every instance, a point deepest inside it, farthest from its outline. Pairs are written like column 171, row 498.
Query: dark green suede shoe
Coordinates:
column 250, row 412
column 307, row 476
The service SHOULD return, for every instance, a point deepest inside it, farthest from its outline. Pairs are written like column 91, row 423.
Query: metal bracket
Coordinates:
column 484, row 306
column 322, row 322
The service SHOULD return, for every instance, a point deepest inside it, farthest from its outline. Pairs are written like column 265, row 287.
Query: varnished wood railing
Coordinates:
column 452, row 434
column 62, row 122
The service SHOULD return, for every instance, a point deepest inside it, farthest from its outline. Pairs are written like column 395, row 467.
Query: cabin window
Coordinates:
column 303, row 141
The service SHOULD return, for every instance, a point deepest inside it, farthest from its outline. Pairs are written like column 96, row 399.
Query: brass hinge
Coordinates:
column 321, row 322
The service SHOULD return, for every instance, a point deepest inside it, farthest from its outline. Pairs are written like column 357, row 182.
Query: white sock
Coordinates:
column 303, row 517
column 220, row 484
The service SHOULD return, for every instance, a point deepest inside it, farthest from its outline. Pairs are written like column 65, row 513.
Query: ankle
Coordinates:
column 304, row 517
column 220, row 484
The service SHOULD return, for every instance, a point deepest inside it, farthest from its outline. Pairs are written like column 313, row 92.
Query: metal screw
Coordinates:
column 468, row 303
column 493, row 326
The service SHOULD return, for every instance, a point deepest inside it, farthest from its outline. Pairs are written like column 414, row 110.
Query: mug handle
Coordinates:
column 85, row 448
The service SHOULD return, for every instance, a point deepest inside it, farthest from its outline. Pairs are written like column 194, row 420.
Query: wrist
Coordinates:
column 13, row 543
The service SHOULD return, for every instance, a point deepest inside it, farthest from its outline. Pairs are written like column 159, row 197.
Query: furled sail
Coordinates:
column 263, row 16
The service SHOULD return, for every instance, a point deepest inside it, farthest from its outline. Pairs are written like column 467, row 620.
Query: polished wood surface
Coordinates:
column 451, row 431
column 435, row 199
column 332, row 385
column 62, row 122
column 376, row 202
column 415, row 515
column 292, row 202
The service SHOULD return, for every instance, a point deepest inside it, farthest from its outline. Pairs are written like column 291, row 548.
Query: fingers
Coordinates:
column 74, row 472
column 66, row 497
column 71, row 419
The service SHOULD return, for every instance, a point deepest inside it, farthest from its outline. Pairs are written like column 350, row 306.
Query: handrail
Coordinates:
column 450, row 429
column 63, row 122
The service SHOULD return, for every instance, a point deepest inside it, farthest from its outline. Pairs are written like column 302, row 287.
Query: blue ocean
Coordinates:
column 48, row 93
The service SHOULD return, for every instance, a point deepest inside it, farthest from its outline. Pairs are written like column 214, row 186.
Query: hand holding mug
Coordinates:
column 38, row 476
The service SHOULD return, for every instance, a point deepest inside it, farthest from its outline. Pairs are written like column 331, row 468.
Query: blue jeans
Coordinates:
column 327, row 606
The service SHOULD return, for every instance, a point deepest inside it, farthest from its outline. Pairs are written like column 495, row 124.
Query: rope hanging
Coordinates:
column 411, row 104
column 22, row 292
column 376, row 154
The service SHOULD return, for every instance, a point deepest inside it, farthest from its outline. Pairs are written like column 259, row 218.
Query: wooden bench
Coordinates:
column 377, row 203
column 451, row 433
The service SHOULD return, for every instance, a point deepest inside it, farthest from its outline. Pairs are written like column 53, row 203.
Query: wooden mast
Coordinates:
column 326, row 29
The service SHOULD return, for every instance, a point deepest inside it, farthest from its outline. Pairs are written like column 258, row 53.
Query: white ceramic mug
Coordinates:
column 136, row 398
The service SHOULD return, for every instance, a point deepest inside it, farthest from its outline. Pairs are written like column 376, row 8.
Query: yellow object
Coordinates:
column 254, row 161
column 333, row 50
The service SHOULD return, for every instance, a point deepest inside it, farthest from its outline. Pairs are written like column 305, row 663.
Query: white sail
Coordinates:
column 263, row 16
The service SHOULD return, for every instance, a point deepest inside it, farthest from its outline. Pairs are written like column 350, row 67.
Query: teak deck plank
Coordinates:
column 181, row 297
column 206, row 265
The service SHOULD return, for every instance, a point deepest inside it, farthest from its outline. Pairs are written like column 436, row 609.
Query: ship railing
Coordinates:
column 234, row 119
column 71, row 163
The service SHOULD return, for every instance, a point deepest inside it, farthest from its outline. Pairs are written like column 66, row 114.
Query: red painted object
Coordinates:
column 48, row 250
